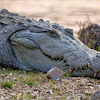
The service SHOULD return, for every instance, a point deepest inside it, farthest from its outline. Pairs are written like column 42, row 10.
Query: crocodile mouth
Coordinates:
column 33, row 45
column 61, row 61
column 56, row 58
column 72, row 71
column 87, row 69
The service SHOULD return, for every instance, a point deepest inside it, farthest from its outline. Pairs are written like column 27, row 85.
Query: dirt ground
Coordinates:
column 22, row 85
column 69, row 13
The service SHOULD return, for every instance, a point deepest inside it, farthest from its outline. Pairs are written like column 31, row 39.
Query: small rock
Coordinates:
column 18, row 96
column 2, row 98
column 88, row 92
column 49, row 91
column 4, row 69
column 55, row 73
column 34, row 95
column 99, row 86
column 10, row 74
column 84, row 97
column 13, row 94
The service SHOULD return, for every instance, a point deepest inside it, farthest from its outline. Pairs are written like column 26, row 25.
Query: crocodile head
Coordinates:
column 44, row 45
column 40, row 45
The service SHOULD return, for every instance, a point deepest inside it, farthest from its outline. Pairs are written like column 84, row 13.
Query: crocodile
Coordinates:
column 29, row 44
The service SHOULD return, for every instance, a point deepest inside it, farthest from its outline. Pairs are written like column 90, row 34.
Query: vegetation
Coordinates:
column 30, row 81
column 68, row 75
column 19, row 85
column 6, row 84
column 89, row 34
column 26, row 96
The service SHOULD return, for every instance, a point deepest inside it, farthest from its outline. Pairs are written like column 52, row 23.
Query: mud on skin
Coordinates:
column 40, row 45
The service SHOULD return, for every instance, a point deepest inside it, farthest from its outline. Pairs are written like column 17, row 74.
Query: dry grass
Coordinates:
column 30, row 85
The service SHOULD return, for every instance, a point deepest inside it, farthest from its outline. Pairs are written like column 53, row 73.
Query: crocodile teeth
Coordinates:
column 89, row 66
column 95, row 74
column 71, row 70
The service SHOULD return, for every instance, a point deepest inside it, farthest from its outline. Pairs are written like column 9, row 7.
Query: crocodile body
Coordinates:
column 40, row 45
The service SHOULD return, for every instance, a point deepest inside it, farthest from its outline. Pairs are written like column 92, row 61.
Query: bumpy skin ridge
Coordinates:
column 41, row 45
column 11, row 23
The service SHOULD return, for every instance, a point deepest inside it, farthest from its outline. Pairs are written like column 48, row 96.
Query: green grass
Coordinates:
column 98, row 48
column 52, row 85
column 68, row 75
column 26, row 96
column 15, row 97
column 30, row 82
column 6, row 83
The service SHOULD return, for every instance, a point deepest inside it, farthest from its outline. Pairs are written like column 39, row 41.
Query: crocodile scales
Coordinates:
column 40, row 45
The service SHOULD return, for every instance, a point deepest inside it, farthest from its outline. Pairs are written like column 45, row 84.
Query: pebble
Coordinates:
column 88, row 92
column 84, row 97
column 2, row 98
column 49, row 91
column 55, row 73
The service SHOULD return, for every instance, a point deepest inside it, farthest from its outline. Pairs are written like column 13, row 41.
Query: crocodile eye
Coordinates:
column 53, row 33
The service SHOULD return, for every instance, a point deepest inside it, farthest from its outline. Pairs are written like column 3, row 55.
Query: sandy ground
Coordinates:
column 69, row 13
